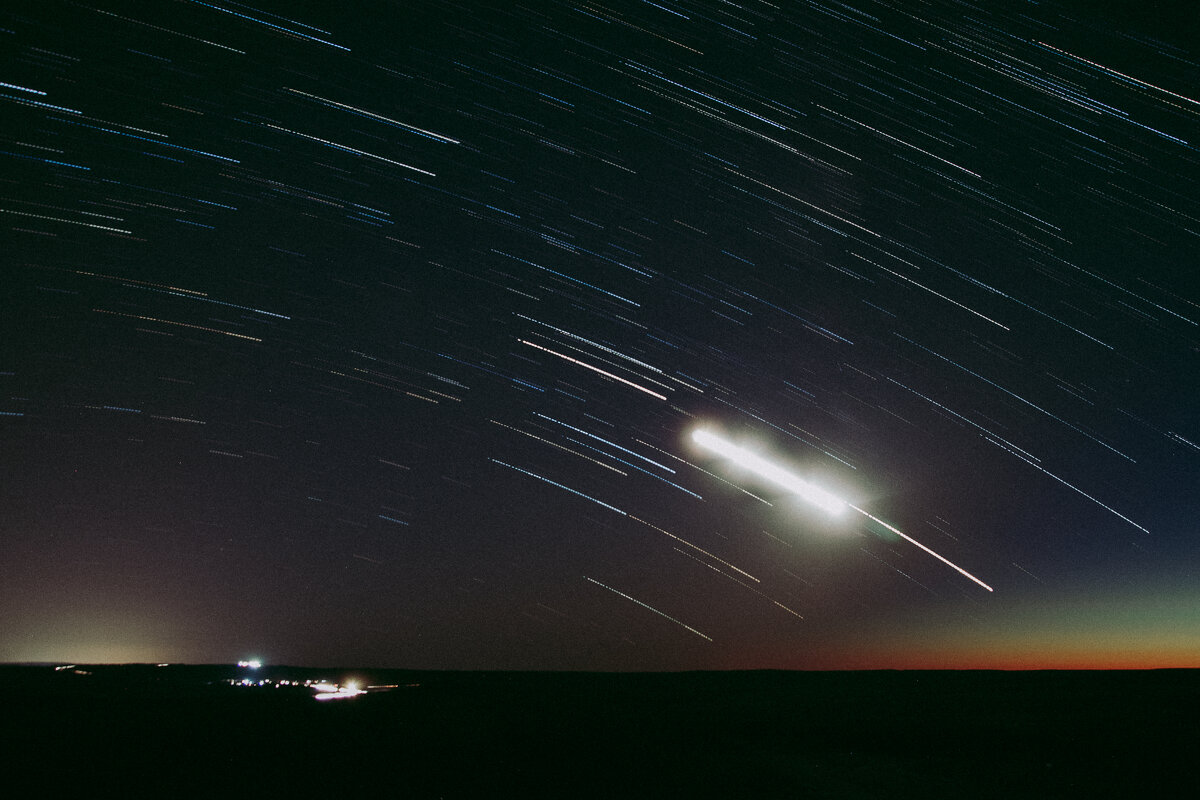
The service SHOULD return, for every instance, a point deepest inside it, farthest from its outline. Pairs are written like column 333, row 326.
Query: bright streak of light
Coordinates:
column 824, row 500
column 337, row 693
column 594, row 369
column 911, row 540
column 817, row 496
column 706, row 472
column 598, row 346
column 650, row 608
column 253, row 663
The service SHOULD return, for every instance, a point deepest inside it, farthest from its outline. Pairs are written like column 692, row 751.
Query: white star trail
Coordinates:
column 650, row 608
column 597, row 370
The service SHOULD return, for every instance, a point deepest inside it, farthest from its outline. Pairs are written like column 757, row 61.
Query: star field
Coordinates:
column 378, row 334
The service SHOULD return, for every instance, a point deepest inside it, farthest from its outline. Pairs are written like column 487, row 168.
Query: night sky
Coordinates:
column 376, row 333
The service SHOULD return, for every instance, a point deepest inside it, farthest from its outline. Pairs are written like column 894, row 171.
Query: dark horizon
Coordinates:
column 991, row 734
column 375, row 668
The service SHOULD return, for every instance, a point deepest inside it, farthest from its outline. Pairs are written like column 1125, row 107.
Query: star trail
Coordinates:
column 384, row 334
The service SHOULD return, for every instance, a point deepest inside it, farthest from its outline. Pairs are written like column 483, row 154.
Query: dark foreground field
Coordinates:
column 176, row 731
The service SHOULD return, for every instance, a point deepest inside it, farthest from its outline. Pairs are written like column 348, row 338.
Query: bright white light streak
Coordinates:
column 594, row 369
column 336, row 692
column 597, row 345
column 822, row 499
column 613, row 363
column 650, row 608
column 706, row 472
column 819, row 497
column 911, row 540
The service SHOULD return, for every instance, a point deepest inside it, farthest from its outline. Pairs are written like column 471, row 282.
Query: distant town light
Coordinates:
column 336, row 692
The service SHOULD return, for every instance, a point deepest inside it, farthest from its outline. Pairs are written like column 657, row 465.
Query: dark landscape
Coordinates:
column 142, row 730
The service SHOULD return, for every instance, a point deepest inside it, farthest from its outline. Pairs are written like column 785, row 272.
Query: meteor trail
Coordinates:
column 765, row 469
column 908, row 538
column 813, row 494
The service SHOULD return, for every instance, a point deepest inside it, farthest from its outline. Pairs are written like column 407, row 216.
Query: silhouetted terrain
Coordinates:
column 137, row 730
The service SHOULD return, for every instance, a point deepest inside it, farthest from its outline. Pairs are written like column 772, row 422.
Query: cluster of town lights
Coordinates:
column 325, row 690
